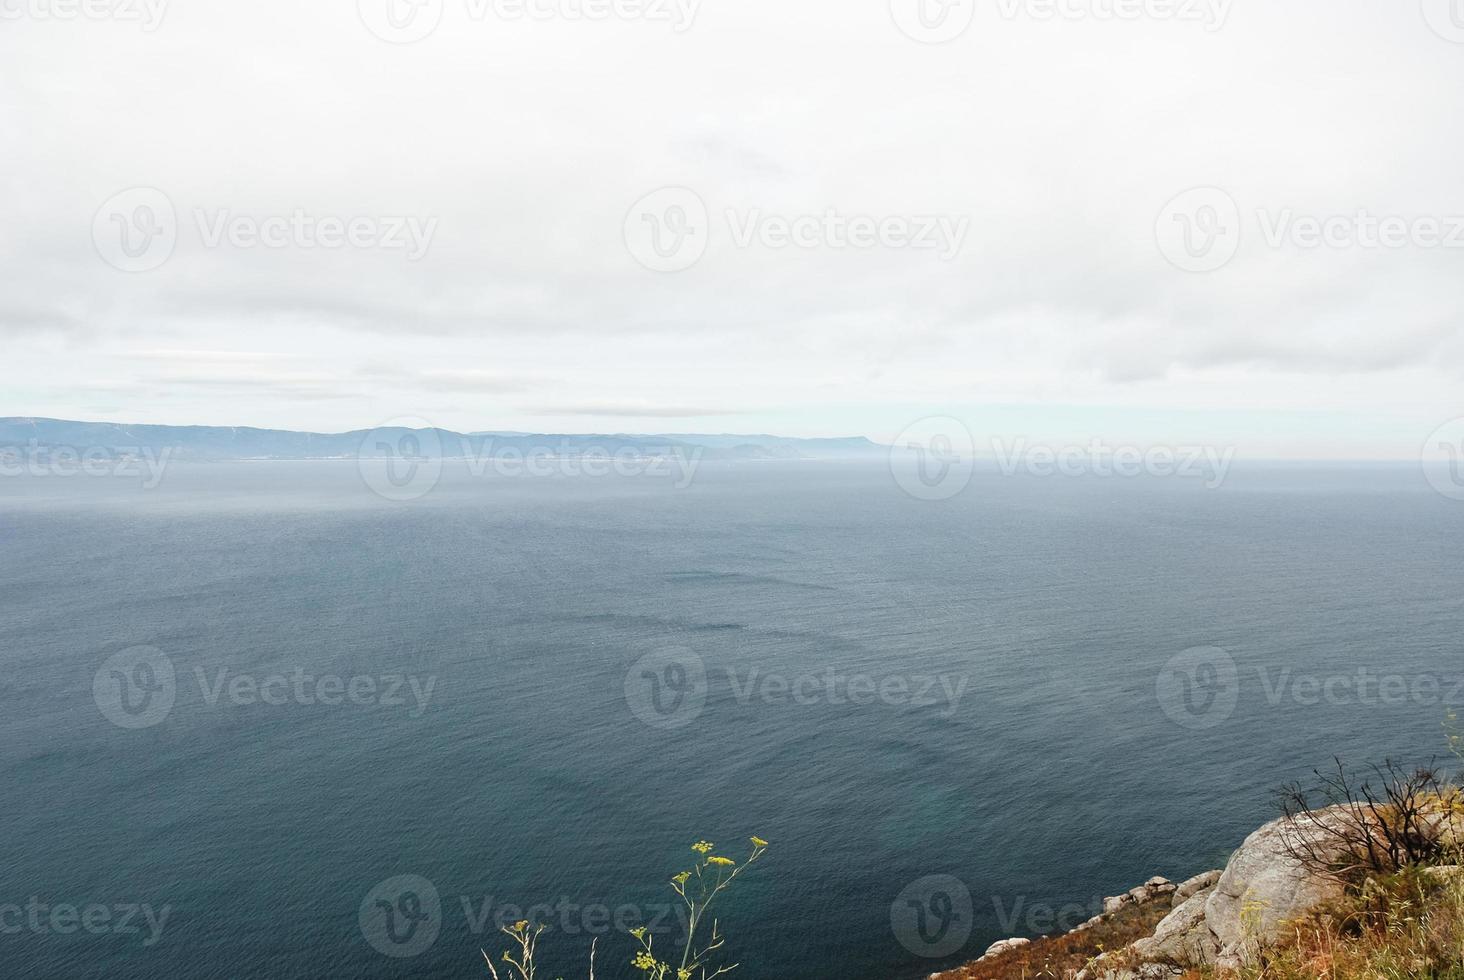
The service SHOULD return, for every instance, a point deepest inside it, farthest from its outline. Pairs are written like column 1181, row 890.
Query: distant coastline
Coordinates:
column 24, row 437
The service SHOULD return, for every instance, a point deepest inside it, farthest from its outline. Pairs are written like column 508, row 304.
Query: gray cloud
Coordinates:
column 1060, row 143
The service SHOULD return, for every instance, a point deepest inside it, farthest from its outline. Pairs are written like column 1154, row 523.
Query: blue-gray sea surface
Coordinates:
column 608, row 670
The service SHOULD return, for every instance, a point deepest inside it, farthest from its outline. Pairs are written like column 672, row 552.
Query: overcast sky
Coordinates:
column 1040, row 156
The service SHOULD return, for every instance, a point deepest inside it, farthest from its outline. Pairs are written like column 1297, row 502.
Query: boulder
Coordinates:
column 1222, row 917
column 1264, row 887
column 1147, row 892
column 1198, row 883
column 1183, row 936
column 1113, row 966
column 1004, row 946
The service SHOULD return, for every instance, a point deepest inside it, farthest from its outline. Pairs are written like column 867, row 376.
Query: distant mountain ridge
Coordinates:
column 23, row 435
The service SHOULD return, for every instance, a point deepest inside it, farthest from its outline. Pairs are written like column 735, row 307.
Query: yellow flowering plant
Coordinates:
column 698, row 888
column 526, row 936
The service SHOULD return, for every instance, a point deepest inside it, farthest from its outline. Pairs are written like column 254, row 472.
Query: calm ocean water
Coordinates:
column 568, row 626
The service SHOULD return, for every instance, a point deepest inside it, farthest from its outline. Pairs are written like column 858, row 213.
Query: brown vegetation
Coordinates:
column 1064, row 956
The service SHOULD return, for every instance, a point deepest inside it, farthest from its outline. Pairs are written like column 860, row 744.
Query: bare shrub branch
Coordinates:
column 1348, row 828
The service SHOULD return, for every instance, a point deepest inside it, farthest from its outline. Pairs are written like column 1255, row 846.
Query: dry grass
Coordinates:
column 1407, row 926
column 1057, row 957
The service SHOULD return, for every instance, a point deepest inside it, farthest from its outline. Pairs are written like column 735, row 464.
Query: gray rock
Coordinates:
column 1196, row 884
column 1222, row 918
column 1004, row 946
column 1140, row 894
column 1264, row 887
column 1183, row 937
column 1111, row 966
